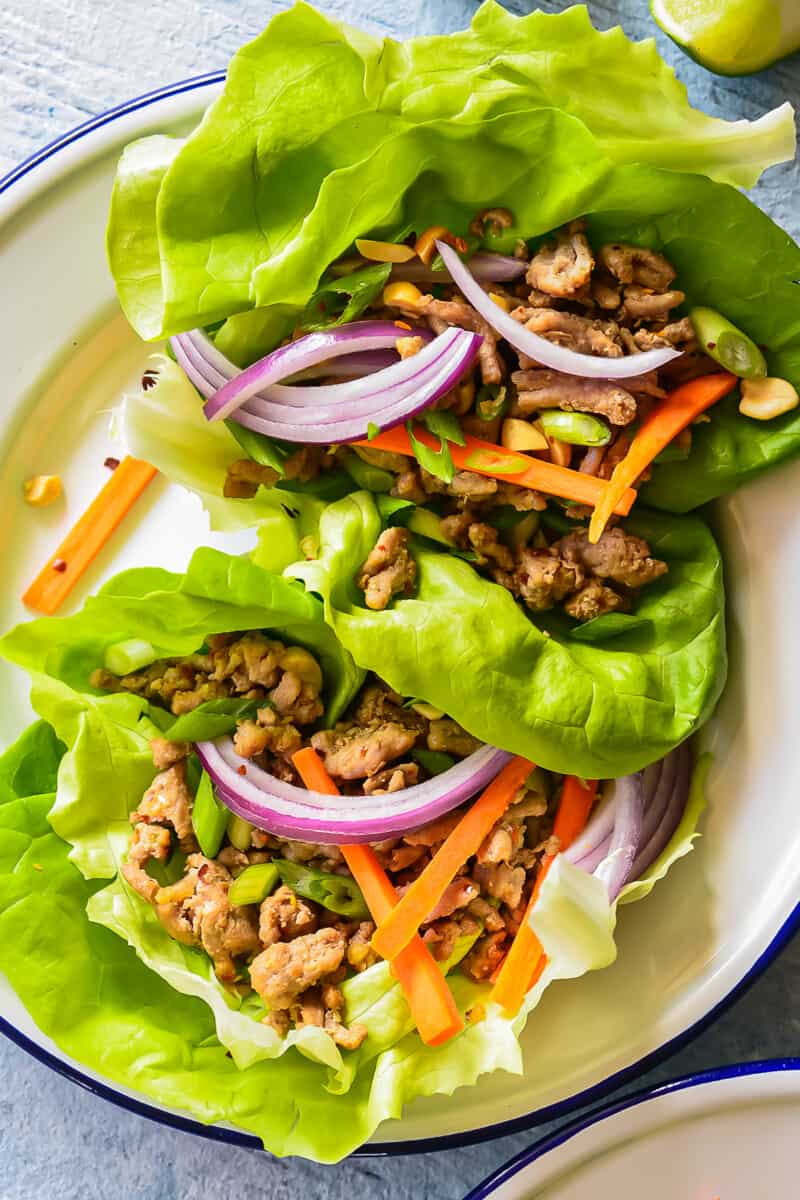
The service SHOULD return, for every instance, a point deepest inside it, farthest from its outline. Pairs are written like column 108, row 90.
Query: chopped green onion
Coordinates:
column 209, row 818
column 434, row 761
column 254, row 884
column 365, row 475
column 124, row 657
column 499, row 464
column 239, row 832
column 339, row 893
column 727, row 345
column 493, row 401
column 212, row 719
column 436, row 462
column 372, row 430
column 165, row 874
column 576, row 428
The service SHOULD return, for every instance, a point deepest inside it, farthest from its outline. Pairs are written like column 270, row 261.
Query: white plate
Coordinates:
column 729, row 1134
column 721, row 914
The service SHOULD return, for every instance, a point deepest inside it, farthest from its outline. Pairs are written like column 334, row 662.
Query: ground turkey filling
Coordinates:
column 609, row 301
column 291, row 951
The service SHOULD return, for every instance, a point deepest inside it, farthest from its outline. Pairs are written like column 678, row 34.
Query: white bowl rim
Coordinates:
column 47, row 172
column 565, row 1133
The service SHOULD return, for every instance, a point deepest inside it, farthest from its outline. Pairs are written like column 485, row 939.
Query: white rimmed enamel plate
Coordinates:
column 712, row 924
column 729, row 1134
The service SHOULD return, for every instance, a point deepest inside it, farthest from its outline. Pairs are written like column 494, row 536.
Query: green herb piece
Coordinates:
column 266, row 451
column 444, row 425
column 338, row 301
column 437, row 462
column 212, row 719
column 372, row 431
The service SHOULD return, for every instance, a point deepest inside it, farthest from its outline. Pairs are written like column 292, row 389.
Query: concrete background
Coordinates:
column 60, row 62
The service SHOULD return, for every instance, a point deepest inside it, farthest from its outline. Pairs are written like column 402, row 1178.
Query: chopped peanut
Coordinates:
column 402, row 295
column 764, row 399
column 41, row 490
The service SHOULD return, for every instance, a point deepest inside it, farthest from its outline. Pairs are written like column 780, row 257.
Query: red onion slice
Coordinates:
column 671, row 816
column 288, row 811
column 297, row 356
column 338, row 413
column 615, row 869
column 391, row 408
column 485, row 265
column 558, row 358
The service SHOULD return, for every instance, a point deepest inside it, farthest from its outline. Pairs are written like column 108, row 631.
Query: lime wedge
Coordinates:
column 731, row 37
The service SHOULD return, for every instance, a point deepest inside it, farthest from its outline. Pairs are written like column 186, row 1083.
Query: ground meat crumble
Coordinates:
column 291, row 951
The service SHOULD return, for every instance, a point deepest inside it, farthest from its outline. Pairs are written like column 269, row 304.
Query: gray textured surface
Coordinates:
column 64, row 60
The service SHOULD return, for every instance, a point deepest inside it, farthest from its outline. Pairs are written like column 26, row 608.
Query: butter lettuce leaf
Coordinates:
column 121, row 1014
column 462, row 642
column 108, row 736
column 276, row 181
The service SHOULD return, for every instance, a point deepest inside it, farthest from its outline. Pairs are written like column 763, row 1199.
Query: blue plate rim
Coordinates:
column 374, row 1149
column 526, row 1158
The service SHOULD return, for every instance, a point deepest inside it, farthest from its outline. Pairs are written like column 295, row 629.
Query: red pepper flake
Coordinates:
column 149, row 379
column 59, row 565
column 242, row 770
column 111, row 463
column 402, row 325
column 711, row 345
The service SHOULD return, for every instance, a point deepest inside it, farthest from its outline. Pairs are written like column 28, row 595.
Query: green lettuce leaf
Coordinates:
column 147, row 1029
column 572, row 706
column 277, row 181
column 108, row 763
column 165, row 426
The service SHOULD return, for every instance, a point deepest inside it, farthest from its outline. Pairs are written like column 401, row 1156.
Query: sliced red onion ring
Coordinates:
column 558, row 358
column 350, row 365
column 388, row 409
column 615, row 869
column 593, row 859
column 485, row 265
column 288, row 811
column 671, row 816
column 338, row 413
column 297, row 356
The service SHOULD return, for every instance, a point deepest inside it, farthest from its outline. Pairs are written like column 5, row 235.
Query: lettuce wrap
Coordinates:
column 148, row 1013
column 599, row 700
column 237, row 223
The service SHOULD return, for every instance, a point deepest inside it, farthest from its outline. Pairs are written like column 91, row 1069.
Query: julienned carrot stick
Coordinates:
column 88, row 536
column 525, row 960
column 666, row 421
column 400, row 925
column 509, row 466
column 425, row 987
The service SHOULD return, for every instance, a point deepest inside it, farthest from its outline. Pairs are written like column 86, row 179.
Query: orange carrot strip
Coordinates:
column 431, row 1002
column 400, row 925
column 509, row 466
column 666, row 421
column 88, row 536
column 526, row 959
